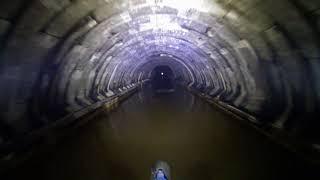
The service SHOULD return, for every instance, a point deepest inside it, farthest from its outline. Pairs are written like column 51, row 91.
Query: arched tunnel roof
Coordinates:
column 60, row 56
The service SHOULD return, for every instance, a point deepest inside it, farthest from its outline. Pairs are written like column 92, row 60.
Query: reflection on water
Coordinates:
column 197, row 141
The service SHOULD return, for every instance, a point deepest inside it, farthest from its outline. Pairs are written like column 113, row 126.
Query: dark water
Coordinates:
column 197, row 141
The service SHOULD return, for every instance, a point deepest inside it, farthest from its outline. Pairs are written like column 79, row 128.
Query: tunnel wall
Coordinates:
column 60, row 56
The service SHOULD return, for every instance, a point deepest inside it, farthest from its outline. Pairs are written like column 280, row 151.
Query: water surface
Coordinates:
column 198, row 141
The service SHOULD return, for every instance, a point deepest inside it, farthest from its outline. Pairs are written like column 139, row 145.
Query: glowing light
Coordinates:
column 162, row 74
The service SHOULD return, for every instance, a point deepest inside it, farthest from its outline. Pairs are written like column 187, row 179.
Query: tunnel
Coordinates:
column 162, row 79
column 101, row 89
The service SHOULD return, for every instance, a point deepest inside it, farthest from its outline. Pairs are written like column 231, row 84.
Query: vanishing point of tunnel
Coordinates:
column 159, row 89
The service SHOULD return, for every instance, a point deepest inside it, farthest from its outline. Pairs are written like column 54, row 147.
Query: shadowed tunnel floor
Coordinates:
column 198, row 141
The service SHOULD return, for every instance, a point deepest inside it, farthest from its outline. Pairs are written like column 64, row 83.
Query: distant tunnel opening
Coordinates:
column 162, row 79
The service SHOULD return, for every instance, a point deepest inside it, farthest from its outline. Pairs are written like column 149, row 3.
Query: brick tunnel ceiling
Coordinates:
column 188, row 36
column 244, row 52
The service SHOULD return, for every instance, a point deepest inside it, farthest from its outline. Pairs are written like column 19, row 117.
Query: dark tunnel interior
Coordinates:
column 210, row 89
column 162, row 79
